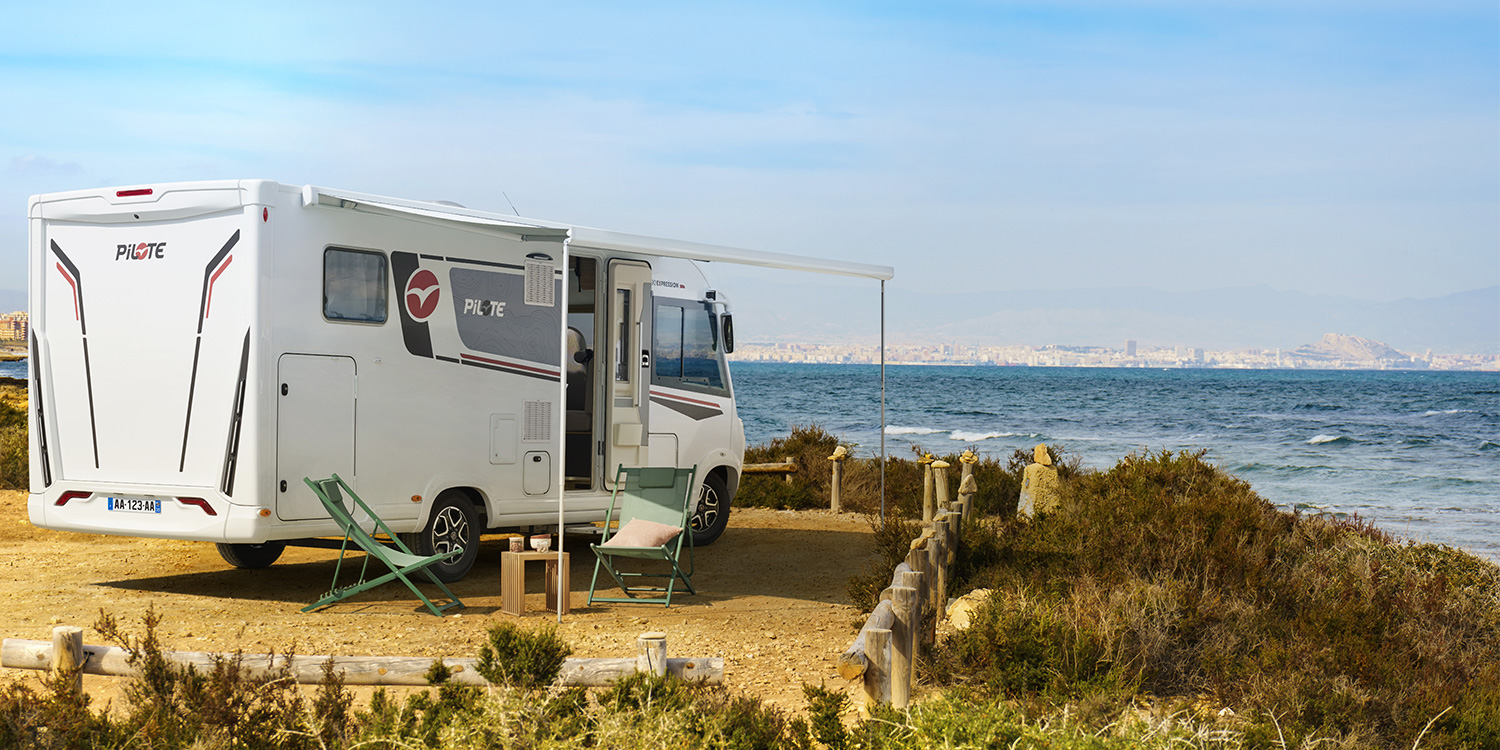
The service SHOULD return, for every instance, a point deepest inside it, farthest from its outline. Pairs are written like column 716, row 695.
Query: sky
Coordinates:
column 1321, row 146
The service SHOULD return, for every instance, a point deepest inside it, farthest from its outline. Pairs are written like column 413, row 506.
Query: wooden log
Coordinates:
column 855, row 661
column 786, row 467
column 951, row 528
column 936, row 562
column 902, row 642
column 878, row 676
column 651, row 653
column 16, row 653
column 885, row 593
column 67, row 653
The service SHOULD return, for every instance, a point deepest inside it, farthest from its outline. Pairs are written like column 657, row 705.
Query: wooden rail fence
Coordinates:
column 884, row 652
column 67, row 652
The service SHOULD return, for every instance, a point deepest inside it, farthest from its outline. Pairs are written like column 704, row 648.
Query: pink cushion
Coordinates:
column 642, row 533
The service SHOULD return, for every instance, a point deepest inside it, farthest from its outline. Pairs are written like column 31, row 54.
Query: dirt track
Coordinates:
column 772, row 604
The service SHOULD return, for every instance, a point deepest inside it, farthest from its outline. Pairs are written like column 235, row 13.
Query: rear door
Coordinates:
column 146, row 327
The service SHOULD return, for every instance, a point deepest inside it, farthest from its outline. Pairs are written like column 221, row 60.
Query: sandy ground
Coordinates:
column 772, row 600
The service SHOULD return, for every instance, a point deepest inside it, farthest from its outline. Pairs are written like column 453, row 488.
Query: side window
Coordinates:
column 354, row 286
column 686, row 348
column 700, row 350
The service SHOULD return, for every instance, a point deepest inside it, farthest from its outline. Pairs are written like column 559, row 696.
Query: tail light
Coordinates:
column 71, row 495
column 198, row 502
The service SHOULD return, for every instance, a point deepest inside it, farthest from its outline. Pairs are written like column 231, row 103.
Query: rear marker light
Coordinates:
column 265, row 214
column 199, row 503
column 132, row 193
column 70, row 495
column 265, row 512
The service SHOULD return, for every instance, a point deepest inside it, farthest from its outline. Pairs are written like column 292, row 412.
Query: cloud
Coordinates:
column 32, row 165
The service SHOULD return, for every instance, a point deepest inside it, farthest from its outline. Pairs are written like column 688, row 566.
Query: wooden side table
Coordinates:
column 513, row 580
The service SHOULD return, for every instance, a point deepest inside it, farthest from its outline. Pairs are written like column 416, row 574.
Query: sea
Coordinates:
column 1418, row 453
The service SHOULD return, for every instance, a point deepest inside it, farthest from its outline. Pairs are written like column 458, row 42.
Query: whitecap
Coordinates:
column 1323, row 439
column 899, row 430
column 975, row 437
column 1436, row 412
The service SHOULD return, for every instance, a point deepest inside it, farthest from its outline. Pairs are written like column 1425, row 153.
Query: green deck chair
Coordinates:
column 399, row 558
column 657, row 495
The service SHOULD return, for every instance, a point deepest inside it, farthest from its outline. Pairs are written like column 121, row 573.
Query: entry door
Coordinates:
column 629, row 380
column 314, row 430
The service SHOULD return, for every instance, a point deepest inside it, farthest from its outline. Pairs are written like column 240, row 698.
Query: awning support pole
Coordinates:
column 882, row 403
column 562, row 401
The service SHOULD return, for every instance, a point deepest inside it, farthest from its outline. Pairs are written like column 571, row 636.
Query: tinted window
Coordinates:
column 354, row 285
column 667, row 329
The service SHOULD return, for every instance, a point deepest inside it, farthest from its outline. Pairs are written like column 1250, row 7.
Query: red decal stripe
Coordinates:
column 73, row 284
column 211, row 281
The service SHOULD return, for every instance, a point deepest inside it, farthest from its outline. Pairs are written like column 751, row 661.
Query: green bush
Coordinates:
column 14, row 466
column 522, row 659
column 1166, row 576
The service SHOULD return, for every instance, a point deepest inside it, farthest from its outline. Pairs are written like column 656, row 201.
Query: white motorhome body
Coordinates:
column 199, row 348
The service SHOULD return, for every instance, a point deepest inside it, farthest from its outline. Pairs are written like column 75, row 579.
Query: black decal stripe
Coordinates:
column 414, row 333
column 691, row 411
column 41, row 418
column 511, row 370
column 454, row 360
column 232, row 450
column 208, row 273
column 425, row 256
column 88, row 379
column 490, row 263
column 83, row 332
column 187, row 421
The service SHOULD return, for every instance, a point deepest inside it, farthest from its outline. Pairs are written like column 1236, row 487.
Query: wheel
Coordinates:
column 712, row 513
column 251, row 555
column 453, row 523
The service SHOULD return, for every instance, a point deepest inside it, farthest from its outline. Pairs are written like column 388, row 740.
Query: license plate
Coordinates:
column 135, row 504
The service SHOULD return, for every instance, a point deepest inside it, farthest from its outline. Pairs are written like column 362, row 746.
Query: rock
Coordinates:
column 962, row 609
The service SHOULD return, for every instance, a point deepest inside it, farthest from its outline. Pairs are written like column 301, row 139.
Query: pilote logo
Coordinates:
column 141, row 251
column 422, row 293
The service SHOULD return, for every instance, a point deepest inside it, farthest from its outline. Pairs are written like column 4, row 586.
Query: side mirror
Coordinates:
column 729, row 334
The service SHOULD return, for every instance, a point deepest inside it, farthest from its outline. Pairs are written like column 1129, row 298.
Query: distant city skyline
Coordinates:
column 1318, row 147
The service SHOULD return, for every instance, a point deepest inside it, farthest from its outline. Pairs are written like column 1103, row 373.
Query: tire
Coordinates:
column 452, row 523
column 711, row 515
column 251, row 556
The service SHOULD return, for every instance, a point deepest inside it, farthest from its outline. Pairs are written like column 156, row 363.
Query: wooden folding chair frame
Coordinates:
column 397, row 556
column 670, row 552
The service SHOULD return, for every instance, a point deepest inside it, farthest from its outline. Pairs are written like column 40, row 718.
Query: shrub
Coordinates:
column 1166, row 575
column 14, row 466
column 528, row 660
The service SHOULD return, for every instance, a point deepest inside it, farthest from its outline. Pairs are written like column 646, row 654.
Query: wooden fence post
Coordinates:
column 967, row 489
column 795, row 464
column 940, row 478
column 903, row 640
column 67, row 653
column 836, row 487
column 878, row 675
column 651, row 653
column 966, row 461
column 928, row 509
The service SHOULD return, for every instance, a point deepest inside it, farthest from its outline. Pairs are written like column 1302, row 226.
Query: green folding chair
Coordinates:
column 398, row 558
column 650, row 503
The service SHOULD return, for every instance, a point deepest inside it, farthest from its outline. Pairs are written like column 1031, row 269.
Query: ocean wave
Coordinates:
column 1318, row 407
column 1436, row 412
column 899, row 430
column 1488, row 445
column 1330, row 439
column 976, row 437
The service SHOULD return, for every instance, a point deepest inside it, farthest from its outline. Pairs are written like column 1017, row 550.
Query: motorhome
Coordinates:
column 199, row 348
